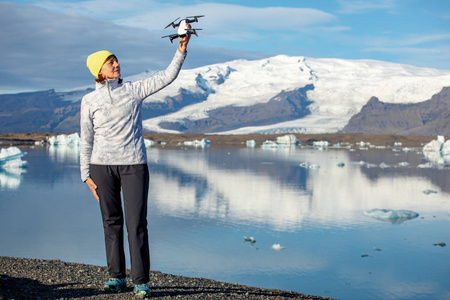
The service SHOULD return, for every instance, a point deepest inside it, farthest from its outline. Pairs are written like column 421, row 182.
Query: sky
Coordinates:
column 44, row 44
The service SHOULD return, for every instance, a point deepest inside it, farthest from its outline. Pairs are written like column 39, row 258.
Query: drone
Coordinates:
column 184, row 28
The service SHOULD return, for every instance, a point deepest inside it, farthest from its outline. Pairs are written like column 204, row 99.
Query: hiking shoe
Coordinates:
column 142, row 290
column 115, row 285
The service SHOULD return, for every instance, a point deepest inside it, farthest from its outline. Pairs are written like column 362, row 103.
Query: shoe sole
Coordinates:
column 143, row 295
column 114, row 290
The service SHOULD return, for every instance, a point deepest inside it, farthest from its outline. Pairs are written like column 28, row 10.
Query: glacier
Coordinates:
column 341, row 88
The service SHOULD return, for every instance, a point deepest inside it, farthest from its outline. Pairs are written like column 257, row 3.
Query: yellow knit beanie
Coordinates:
column 96, row 60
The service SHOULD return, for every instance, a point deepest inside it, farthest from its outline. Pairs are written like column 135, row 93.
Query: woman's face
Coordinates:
column 110, row 69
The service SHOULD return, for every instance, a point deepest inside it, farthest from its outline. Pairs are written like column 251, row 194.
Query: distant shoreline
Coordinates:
column 25, row 138
column 25, row 278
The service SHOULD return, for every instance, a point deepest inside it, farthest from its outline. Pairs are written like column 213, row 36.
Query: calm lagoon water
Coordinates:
column 203, row 202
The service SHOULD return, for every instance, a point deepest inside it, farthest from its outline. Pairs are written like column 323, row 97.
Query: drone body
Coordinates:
column 184, row 27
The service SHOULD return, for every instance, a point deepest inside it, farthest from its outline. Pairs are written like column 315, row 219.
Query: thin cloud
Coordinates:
column 360, row 7
column 426, row 39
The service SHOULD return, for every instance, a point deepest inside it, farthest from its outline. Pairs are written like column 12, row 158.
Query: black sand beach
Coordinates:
column 22, row 278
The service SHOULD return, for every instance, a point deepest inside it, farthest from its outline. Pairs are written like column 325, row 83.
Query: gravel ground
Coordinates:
column 22, row 278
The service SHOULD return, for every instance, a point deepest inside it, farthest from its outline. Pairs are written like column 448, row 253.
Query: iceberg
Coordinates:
column 149, row 143
column 391, row 216
column 428, row 191
column 269, row 144
column 433, row 146
column 274, row 145
column 278, row 247
column 321, row 145
column 445, row 150
column 197, row 143
column 289, row 139
column 63, row 139
column 437, row 151
column 11, row 158
column 250, row 143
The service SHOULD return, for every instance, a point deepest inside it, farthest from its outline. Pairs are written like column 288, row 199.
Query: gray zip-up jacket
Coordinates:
column 111, row 121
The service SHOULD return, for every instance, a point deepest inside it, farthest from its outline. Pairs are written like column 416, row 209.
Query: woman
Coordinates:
column 113, row 157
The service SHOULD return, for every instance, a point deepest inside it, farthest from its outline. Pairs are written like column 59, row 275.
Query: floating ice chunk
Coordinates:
column 274, row 145
column 10, row 153
column 278, row 247
column 63, row 139
column 445, row 150
column 307, row 165
column 14, row 164
column 269, row 145
column 250, row 239
column 361, row 162
column 304, row 165
column 11, row 158
column 250, row 143
column 437, row 151
column 391, row 216
column 320, row 144
column 428, row 191
column 287, row 139
column 427, row 165
column 149, row 143
column 433, row 146
column 196, row 143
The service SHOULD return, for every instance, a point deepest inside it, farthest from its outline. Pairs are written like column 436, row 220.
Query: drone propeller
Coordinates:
column 193, row 30
column 195, row 18
column 173, row 23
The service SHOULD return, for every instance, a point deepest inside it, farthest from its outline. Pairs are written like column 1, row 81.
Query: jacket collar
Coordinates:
column 112, row 83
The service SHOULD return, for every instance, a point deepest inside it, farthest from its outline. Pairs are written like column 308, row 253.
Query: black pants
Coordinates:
column 134, row 182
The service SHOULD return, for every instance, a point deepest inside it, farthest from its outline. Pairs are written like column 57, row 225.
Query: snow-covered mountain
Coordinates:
column 334, row 90
column 275, row 95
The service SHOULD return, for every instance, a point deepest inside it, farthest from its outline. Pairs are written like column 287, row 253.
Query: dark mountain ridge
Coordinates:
column 430, row 117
